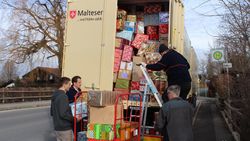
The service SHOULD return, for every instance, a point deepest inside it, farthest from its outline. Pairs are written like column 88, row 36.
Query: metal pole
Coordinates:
column 228, row 83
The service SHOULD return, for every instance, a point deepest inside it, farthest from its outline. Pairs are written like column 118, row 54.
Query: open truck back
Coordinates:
column 90, row 43
column 91, row 33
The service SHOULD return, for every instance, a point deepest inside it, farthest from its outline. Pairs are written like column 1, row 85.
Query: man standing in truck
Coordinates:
column 176, row 67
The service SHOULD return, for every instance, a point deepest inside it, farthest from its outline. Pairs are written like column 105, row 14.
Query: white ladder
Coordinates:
column 149, row 90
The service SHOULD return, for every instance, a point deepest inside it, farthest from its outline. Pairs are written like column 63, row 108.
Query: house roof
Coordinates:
column 54, row 71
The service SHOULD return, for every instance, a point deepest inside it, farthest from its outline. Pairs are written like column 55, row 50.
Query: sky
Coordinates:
column 201, row 29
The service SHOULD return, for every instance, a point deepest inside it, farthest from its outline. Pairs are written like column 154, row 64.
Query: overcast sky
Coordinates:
column 201, row 28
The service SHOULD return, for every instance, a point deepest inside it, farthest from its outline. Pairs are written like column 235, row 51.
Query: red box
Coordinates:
column 127, row 53
column 139, row 39
column 163, row 28
column 151, row 9
column 152, row 32
column 117, row 61
column 135, row 85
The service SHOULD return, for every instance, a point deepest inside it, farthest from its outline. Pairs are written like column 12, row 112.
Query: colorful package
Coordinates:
column 153, row 46
column 127, row 53
column 152, row 58
column 119, row 43
column 143, row 49
column 81, row 109
column 152, row 32
column 151, row 9
column 128, row 35
column 122, row 84
column 125, row 74
column 123, row 65
column 130, row 26
column 163, row 28
column 117, row 61
column 135, row 85
column 82, row 136
column 139, row 39
column 131, row 18
column 164, row 17
column 126, row 66
column 121, row 18
column 140, row 27
column 152, row 19
column 120, row 24
column 140, row 16
column 130, row 66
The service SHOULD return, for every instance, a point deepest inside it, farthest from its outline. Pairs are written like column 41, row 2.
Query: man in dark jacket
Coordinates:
column 73, row 91
column 175, row 117
column 60, row 110
column 176, row 68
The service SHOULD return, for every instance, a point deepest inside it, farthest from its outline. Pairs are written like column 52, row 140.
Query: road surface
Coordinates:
column 36, row 124
column 26, row 125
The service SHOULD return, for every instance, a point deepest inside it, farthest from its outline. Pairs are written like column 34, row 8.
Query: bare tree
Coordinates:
column 234, row 37
column 37, row 27
column 9, row 71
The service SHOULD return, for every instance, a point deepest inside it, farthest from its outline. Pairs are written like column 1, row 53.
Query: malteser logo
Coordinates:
column 86, row 15
column 72, row 14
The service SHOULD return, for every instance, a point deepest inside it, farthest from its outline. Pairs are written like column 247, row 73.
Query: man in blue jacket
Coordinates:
column 176, row 67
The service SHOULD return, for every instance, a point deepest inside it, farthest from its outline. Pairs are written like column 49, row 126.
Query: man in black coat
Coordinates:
column 71, row 93
column 176, row 67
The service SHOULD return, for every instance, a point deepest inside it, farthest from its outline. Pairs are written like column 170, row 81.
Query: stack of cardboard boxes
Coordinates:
column 137, row 40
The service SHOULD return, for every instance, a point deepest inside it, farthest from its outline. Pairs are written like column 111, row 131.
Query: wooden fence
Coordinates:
column 9, row 95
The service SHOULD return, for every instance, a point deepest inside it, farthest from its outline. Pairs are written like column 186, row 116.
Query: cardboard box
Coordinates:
column 137, row 72
column 105, row 115
column 125, row 74
column 102, row 98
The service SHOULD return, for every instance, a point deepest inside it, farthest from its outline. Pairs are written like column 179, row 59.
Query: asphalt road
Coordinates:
column 36, row 124
column 26, row 125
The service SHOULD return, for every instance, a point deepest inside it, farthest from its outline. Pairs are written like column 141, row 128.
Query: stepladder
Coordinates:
column 149, row 90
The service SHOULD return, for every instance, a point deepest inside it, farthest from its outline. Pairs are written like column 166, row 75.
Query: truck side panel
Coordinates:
column 89, row 42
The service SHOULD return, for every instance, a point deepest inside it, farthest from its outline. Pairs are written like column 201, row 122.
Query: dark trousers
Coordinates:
column 185, row 89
